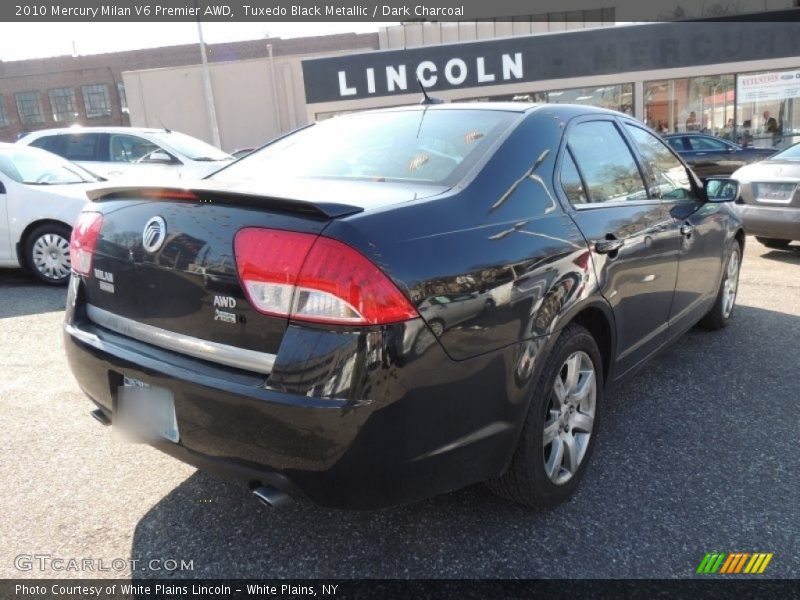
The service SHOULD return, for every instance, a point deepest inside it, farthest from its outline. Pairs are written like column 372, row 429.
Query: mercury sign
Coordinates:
column 764, row 87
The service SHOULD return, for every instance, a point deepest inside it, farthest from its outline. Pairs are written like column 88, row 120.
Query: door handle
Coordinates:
column 701, row 153
column 687, row 229
column 608, row 246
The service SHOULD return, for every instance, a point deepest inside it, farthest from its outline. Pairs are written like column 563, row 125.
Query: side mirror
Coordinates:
column 159, row 157
column 719, row 189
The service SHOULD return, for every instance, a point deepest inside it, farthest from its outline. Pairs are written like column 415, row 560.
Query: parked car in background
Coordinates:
column 363, row 342
column 118, row 152
column 41, row 195
column 770, row 202
column 711, row 156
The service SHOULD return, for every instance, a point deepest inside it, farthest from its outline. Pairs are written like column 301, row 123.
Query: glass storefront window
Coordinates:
column 615, row 97
column 769, row 108
column 702, row 104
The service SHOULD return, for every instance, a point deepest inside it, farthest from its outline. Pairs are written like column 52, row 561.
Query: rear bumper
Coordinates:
column 403, row 420
column 770, row 221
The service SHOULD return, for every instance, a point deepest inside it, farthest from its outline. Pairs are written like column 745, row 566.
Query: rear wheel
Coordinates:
column 559, row 432
column 720, row 314
column 773, row 242
column 47, row 253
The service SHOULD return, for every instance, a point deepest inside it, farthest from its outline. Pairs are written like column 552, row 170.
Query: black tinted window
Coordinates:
column 669, row 178
column 706, row 144
column 608, row 167
column 83, row 146
column 51, row 143
column 676, row 143
column 571, row 181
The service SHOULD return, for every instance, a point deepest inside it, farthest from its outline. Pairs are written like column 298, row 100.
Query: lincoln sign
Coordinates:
column 548, row 56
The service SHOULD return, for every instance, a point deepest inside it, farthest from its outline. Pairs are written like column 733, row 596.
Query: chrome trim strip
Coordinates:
column 84, row 336
column 240, row 358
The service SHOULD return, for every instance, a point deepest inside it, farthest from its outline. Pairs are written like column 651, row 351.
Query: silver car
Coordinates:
column 770, row 200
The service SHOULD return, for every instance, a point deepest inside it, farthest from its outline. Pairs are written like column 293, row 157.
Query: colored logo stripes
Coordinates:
column 734, row 562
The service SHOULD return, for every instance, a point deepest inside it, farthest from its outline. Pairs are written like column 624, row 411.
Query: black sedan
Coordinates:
column 711, row 156
column 318, row 363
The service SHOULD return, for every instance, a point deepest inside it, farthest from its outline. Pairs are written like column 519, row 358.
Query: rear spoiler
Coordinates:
column 328, row 210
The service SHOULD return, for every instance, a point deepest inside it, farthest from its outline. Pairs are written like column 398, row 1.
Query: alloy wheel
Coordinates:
column 731, row 284
column 570, row 418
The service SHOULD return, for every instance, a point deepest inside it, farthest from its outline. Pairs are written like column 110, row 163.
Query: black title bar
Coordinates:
column 360, row 10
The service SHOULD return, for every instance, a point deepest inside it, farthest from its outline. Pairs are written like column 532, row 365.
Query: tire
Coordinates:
column 47, row 253
column 773, row 242
column 720, row 314
column 534, row 477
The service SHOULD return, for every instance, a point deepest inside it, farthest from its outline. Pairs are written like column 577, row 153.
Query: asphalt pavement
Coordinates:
column 696, row 453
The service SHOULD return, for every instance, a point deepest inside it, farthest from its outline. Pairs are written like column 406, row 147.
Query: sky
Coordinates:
column 40, row 40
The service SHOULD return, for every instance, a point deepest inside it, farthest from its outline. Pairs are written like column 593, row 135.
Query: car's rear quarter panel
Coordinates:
column 504, row 238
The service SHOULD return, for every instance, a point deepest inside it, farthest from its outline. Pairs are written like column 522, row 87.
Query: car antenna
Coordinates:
column 427, row 99
column 164, row 127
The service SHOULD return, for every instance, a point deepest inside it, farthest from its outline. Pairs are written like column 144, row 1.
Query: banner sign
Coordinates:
column 765, row 87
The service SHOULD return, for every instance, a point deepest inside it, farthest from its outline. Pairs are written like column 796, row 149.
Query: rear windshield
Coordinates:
column 791, row 153
column 420, row 146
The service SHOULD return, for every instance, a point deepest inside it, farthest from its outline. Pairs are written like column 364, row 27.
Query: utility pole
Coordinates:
column 274, row 90
column 211, row 111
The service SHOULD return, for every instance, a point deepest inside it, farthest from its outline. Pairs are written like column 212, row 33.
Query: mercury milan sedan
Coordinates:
column 278, row 322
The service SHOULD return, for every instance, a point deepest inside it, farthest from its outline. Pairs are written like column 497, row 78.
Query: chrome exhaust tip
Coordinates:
column 271, row 496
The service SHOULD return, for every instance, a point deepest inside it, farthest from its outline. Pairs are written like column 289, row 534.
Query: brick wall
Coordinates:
column 43, row 75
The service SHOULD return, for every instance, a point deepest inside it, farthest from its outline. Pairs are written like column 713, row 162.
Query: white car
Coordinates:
column 41, row 195
column 122, row 152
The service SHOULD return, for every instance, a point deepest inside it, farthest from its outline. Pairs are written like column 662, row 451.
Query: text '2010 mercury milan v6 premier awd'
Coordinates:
column 394, row 304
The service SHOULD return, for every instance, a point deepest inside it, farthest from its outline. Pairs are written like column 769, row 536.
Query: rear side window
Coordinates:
column 51, row 143
column 608, row 167
column 571, row 180
column 83, row 146
column 676, row 143
column 701, row 144
column 433, row 146
column 669, row 178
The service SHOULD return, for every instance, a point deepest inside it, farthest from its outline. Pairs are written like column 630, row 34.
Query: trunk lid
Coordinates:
column 188, row 282
column 771, row 183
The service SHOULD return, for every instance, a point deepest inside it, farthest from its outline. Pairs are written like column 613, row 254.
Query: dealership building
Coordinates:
column 727, row 77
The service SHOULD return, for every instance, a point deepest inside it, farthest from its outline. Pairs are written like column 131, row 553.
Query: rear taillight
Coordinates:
column 84, row 237
column 316, row 279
